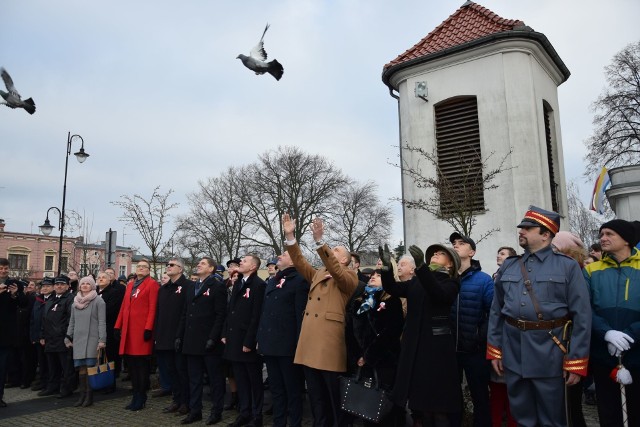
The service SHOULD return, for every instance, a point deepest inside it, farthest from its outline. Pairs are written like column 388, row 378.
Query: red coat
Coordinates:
column 137, row 313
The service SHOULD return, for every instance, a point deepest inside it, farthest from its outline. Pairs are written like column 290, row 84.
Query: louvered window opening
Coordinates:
column 459, row 157
column 552, row 179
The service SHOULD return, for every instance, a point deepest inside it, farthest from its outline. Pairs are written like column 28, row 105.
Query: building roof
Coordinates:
column 467, row 27
column 468, row 23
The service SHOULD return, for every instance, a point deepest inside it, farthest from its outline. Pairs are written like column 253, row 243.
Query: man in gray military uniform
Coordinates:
column 541, row 302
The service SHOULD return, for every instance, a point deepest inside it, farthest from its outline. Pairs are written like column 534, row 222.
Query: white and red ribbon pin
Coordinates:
column 136, row 294
column 246, row 293
column 382, row 306
column 179, row 290
column 279, row 285
column 206, row 294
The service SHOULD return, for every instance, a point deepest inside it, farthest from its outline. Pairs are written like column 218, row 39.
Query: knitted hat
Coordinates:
column 625, row 229
column 564, row 240
column 89, row 280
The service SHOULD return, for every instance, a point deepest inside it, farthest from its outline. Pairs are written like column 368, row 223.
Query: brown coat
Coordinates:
column 322, row 344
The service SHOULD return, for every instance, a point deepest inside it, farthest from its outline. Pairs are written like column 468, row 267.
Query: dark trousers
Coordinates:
column 173, row 367
column 61, row 371
column 43, row 366
column 536, row 401
column 196, row 366
column 609, row 398
column 286, row 393
column 477, row 370
column 4, row 357
column 139, row 370
column 250, row 390
column 323, row 388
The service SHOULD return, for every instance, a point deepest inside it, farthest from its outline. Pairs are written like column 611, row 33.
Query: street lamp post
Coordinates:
column 47, row 228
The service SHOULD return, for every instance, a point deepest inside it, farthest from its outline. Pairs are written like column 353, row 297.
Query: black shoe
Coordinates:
column 213, row 419
column 240, row 421
column 161, row 393
column 233, row 403
column 256, row 422
column 171, row 408
column 64, row 394
column 24, row 386
column 46, row 392
column 109, row 390
column 269, row 410
column 589, row 398
column 182, row 410
column 192, row 418
column 3, row 404
column 37, row 387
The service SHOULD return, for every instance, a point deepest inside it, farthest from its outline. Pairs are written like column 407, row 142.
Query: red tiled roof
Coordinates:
column 468, row 23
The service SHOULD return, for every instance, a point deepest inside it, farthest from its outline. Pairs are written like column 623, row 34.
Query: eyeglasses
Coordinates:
column 170, row 264
column 142, row 266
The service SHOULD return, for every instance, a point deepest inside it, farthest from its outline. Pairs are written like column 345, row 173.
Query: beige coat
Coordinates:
column 322, row 344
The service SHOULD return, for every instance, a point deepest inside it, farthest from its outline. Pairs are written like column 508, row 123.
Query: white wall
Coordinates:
column 510, row 80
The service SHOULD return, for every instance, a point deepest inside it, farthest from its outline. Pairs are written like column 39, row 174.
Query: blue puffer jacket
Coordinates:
column 615, row 301
column 470, row 312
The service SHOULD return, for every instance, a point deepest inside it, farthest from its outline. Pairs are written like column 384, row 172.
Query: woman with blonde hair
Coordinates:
column 87, row 333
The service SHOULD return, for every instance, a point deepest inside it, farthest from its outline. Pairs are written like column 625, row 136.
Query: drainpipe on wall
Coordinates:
column 404, row 229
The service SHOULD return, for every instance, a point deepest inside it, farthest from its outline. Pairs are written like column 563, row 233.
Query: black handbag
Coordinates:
column 364, row 398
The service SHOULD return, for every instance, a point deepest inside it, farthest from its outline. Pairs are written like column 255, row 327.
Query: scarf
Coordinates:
column 81, row 302
column 369, row 302
column 439, row 268
column 136, row 283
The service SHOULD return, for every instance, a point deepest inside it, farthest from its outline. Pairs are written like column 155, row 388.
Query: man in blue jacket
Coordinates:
column 614, row 288
column 470, row 315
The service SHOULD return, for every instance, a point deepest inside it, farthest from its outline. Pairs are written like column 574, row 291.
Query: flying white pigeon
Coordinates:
column 12, row 98
column 256, row 61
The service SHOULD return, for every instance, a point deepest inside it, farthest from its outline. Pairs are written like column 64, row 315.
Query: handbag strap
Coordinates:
column 102, row 353
column 375, row 376
column 527, row 284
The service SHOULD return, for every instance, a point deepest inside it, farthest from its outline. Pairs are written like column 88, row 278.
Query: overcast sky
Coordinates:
column 156, row 91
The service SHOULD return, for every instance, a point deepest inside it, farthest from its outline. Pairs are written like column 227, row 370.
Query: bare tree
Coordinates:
column 616, row 137
column 454, row 202
column 218, row 215
column 583, row 222
column 151, row 218
column 360, row 221
column 288, row 180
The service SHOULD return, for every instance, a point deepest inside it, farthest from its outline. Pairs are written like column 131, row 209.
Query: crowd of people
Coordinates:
column 529, row 340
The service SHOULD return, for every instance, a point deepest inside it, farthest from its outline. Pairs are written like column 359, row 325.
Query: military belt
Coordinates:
column 532, row 325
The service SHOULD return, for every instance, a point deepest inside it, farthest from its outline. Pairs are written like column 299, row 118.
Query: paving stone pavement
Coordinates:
column 25, row 408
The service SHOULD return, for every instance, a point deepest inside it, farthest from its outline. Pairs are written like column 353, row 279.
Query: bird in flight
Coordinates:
column 257, row 60
column 12, row 98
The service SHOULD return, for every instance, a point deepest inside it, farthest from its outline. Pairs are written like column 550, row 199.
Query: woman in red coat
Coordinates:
column 135, row 326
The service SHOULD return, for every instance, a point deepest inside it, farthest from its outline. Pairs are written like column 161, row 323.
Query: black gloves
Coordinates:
column 417, row 254
column 117, row 334
column 147, row 334
column 209, row 345
column 177, row 344
column 385, row 257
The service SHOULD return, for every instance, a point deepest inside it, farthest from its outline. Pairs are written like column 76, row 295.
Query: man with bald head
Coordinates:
column 321, row 349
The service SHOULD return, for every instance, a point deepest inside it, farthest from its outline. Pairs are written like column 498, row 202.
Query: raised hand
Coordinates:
column 417, row 254
column 317, row 228
column 385, row 257
column 288, row 226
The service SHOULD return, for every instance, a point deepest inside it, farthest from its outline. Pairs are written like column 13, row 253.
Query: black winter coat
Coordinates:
column 8, row 318
column 202, row 317
column 55, row 322
column 427, row 369
column 243, row 318
column 35, row 329
column 374, row 334
column 112, row 296
column 171, row 298
column 24, row 321
column 285, row 299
